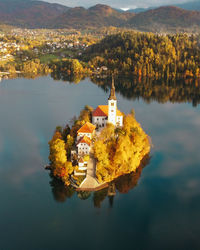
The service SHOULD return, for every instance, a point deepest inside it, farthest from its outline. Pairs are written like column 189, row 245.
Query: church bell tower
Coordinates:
column 112, row 105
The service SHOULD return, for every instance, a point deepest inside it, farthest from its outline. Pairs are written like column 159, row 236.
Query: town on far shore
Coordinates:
column 102, row 115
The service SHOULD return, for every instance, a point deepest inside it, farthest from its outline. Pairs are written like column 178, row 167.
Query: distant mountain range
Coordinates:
column 96, row 16
column 39, row 14
column 187, row 6
column 27, row 13
column 168, row 18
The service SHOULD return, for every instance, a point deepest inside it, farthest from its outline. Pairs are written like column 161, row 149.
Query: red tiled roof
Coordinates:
column 102, row 110
column 84, row 139
column 81, row 160
column 87, row 128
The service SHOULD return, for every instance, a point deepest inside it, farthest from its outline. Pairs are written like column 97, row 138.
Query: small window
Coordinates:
column 112, row 104
column 97, row 119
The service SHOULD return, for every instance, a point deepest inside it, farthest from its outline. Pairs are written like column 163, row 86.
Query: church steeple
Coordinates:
column 112, row 91
column 112, row 105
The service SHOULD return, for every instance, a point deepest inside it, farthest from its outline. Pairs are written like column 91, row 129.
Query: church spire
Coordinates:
column 112, row 91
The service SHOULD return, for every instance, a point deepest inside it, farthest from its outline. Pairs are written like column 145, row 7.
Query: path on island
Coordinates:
column 90, row 183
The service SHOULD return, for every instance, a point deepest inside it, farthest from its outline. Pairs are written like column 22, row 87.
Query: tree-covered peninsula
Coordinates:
column 136, row 54
column 147, row 54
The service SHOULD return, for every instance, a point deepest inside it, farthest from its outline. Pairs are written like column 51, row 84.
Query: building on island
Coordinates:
column 108, row 113
column 83, row 145
column 82, row 164
column 102, row 115
column 88, row 129
column 82, row 168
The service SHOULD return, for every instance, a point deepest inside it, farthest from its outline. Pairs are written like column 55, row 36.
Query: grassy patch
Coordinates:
column 48, row 58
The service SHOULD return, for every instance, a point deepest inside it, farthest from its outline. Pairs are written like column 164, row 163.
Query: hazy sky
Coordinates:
column 118, row 3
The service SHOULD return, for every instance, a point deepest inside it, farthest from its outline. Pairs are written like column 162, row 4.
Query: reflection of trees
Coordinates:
column 163, row 90
column 127, row 182
column 99, row 197
column 64, row 76
column 84, row 195
column 122, row 184
column 60, row 191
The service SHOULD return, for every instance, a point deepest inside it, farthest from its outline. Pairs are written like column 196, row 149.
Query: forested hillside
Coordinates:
column 165, row 19
column 96, row 16
column 147, row 54
column 29, row 14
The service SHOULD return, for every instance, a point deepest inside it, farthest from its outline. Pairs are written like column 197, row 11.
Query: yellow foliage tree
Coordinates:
column 61, row 168
column 120, row 151
column 57, row 152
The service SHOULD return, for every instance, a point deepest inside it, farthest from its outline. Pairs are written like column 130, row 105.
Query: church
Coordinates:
column 108, row 113
column 102, row 115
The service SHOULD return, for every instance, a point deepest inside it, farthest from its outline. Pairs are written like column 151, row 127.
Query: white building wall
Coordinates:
column 83, row 149
column 79, row 174
column 81, row 164
column 80, row 135
column 82, row 168
column 112, row 111
column 99, row 120
column 119, row 121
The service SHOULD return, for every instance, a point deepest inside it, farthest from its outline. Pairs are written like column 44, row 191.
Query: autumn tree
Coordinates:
column 120, row 151
column 61, row 168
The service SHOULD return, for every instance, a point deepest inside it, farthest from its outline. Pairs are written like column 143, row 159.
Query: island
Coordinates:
column 101, row 145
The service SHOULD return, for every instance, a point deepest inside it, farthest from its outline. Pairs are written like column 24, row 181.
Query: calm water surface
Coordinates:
column 161, row 212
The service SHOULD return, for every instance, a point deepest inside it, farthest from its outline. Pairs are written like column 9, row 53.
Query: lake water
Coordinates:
column 161, row 212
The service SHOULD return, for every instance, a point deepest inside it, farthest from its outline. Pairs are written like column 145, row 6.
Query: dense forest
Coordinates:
column 147, row 54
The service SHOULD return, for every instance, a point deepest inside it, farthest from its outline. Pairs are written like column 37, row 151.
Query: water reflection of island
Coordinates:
column 121, row 185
